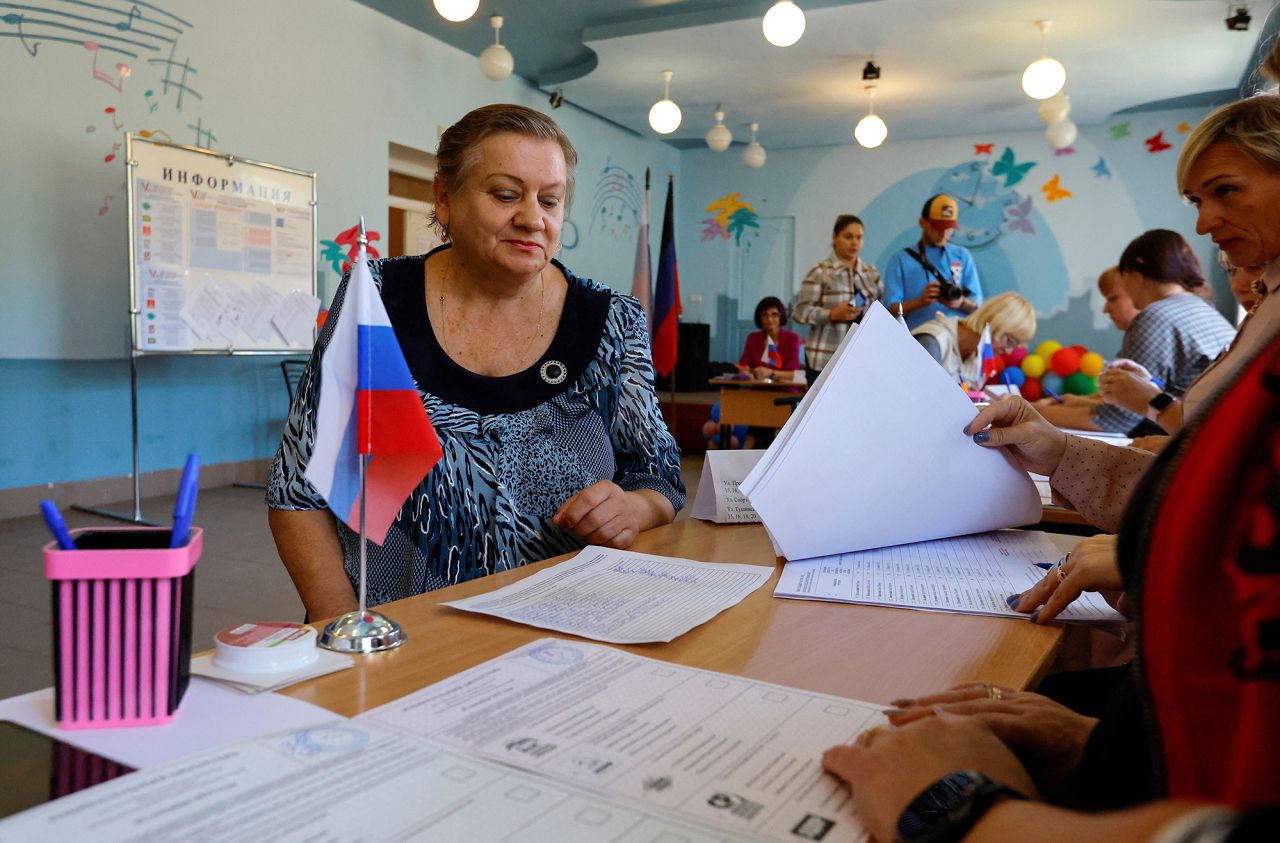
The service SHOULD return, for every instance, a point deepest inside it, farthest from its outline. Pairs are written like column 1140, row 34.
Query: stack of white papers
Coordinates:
column 876, row 455
column 969, row 574
column 621, row 597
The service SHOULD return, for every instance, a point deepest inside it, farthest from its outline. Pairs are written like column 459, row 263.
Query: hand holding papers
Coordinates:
column 876, row 455
column 970, row 574
column 621, row 597
column 719, row 497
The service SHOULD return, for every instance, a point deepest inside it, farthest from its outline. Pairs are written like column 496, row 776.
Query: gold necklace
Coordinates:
column 539, row 329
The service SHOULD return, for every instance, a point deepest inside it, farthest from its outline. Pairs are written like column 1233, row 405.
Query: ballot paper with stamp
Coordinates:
column 345, row 780
column 973, row 575
column 719, row 498
column 620, row 596
column 737, row 754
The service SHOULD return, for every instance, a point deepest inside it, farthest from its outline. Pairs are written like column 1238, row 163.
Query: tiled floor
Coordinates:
column 239, row 576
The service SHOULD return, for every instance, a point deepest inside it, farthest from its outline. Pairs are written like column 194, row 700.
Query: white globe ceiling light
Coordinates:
column 456, row 10
column 496, row 62
column 871, row 130
column 783, row 24
column 718, row 136
column 754, row 155
column 1045, row 76
column 665, row 115
column 1062, row 134
column 1055, row 109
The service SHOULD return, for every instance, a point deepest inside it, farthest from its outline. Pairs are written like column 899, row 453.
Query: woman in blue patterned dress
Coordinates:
column 538, row 382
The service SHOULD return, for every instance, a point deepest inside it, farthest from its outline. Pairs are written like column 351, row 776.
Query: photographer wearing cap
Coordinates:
column 933, row 276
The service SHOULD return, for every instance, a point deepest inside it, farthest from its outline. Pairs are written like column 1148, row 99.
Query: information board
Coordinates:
column 222, row 252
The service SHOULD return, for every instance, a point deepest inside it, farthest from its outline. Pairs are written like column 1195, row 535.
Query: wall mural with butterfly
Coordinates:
column 1040, row 223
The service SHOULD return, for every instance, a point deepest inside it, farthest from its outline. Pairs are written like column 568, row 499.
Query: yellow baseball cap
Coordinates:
column 942, row 211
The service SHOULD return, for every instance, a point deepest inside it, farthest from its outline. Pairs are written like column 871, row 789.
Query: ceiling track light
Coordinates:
column 871, row 72
column 1045, row 76
column 871, row 129
column 665, row 115
column 1238, row 17
column 754, row 155
column 496, row 62
column 557, row 98
column 783, row 24
column 456, row 10
column 718, row 136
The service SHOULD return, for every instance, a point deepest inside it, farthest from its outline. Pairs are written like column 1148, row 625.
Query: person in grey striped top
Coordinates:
column 835, row 294
column 1175, row 336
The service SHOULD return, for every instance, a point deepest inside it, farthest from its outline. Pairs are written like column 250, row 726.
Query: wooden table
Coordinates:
column 750, row 402
column 864, row 652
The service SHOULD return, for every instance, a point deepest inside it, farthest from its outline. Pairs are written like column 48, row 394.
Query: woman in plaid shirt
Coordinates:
column 835, row 293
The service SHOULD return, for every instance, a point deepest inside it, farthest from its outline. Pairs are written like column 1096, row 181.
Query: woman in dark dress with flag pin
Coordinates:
column 538, row 383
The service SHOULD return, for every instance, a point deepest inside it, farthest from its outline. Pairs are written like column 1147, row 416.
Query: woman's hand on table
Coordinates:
column 1048, row 738
column 886, row 767
column 762, row 373
column 606, row 514
column 1012, row 423
column 1090, row 566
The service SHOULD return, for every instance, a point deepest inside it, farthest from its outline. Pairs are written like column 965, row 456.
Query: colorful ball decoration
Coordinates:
column 999, row 364
column 1080, row 384
column 1031, row 390
column 1079, row 349
column 1016, row 356
column 1011, row 375
column 1052, row 383
column 1033, row 365
column 1091, row 363
column 1047, row 348
column 1065, row 362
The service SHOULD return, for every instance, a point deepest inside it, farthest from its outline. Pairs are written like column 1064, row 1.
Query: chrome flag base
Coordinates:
column 365, row 631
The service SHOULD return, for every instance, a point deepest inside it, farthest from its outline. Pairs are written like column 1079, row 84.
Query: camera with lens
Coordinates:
column 949, row 292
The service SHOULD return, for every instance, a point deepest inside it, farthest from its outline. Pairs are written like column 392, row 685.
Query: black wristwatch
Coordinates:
column 1156, row 405
column 946, row 810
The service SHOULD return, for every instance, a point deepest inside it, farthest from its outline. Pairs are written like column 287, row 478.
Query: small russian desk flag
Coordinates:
column 370, row 405
column 988, row 357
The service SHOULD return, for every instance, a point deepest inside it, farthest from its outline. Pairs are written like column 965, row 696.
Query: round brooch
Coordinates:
column 553, row 372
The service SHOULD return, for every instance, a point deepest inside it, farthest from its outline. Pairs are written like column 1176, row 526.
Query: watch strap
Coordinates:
column 946, row 810
column 1157, row 405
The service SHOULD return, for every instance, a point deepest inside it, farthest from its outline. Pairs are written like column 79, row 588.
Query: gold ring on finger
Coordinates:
column 993, row 693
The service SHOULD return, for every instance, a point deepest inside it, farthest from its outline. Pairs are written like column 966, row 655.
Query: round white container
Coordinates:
column 266, row 647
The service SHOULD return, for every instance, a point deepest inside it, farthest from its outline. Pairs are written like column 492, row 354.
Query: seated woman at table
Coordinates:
column 538, row 382
column 953, row 341
column 772, row 351
column 1130, row 386
column 1174, row 337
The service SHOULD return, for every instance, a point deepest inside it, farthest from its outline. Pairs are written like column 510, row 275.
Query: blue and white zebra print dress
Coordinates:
column 515, row 448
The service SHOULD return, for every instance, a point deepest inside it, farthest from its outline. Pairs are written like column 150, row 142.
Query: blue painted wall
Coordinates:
column 1050, row 252
column 322, row 88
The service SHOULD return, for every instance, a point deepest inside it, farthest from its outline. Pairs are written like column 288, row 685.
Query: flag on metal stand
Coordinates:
column 666, row 297
column 988, row 356
column 642, row 277
column 373, row 441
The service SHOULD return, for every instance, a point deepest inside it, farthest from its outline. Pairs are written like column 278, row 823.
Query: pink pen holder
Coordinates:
column 121, row 626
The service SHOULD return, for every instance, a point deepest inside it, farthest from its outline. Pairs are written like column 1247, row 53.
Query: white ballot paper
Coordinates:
column 342, row 781
column 621, row 597
column 706, row 747
column 882, row 436
column 719, row 498
column 969, row 574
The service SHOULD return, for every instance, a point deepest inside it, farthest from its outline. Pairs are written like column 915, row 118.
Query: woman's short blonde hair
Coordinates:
column 1006, row 313
column 459, row 146
column 1251, row 125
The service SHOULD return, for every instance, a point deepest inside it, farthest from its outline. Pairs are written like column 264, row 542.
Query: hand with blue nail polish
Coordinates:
column 1091, row 566
column 1016, row 426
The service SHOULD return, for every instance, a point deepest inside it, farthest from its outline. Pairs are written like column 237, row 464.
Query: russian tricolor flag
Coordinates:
column 772, row 357
column 368, row 405
column 988, row 357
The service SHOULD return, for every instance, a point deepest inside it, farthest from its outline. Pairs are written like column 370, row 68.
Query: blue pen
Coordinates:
column 185, row 505
column 1158, row 382
column 1046, row 565
column 57, row 526
column 1055, row 396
